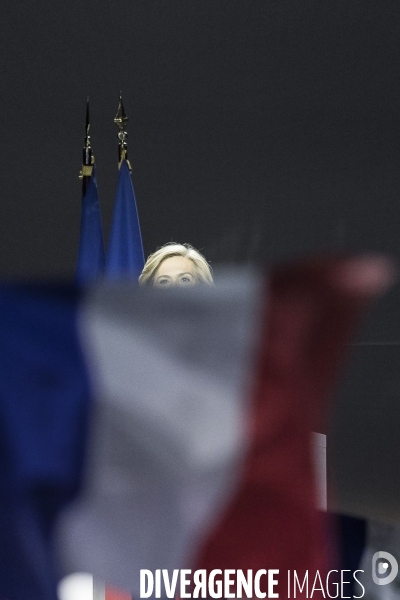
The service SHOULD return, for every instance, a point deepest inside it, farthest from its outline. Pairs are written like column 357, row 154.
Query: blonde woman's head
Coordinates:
column 176, row 265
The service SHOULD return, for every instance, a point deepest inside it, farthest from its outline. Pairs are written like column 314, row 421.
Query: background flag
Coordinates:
column 125, row 256
column 91, row 255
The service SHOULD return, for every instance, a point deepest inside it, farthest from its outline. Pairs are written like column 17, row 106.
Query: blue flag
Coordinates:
column 43, row 431
column 125, row 257
column 91, row 255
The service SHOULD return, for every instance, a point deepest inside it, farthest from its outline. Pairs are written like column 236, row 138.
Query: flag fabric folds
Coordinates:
column 44, row 399
column 201, row 406
column 91, row 254
column 125, row 256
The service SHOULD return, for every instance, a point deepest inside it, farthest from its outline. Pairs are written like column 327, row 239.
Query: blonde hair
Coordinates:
column 202, row 268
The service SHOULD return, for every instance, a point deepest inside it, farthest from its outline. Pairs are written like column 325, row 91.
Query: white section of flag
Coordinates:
column 172, row 373
column 77, row 586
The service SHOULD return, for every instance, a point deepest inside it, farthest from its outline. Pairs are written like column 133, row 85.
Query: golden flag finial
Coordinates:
column 121, row 120
column 88, row 158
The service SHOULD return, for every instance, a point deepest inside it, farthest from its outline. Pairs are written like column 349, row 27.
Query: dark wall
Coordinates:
column 260, row 129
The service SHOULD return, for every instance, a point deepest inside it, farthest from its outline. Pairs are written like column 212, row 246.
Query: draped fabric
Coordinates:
column 125, row 256
column 91, row 255
column 201, row 405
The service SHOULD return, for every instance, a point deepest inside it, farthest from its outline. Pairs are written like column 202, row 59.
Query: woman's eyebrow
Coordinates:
column 163, row 277
column 185, row 273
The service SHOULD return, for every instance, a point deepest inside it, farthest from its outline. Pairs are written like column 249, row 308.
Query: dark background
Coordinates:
column 259, row 130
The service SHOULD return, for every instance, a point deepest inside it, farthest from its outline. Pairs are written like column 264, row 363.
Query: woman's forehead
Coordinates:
column 175, row 264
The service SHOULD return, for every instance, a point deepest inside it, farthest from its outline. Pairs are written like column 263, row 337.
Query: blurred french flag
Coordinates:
column 148, row 429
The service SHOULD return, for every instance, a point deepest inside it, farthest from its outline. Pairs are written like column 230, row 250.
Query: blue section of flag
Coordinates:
column 91, row 255
column 44, row 400
column 125, row 257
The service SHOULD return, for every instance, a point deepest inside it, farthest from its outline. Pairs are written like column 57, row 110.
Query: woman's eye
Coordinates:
column 163, row 281
column 185, row 280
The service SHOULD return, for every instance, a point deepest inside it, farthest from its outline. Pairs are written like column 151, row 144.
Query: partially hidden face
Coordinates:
column 175, row 271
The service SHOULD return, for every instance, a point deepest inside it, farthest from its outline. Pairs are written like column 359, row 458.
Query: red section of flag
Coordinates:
column 271, row 522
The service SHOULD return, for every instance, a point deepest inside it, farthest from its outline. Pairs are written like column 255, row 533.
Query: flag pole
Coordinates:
column 91, row 256
column 121, row 120
column 88, row 158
